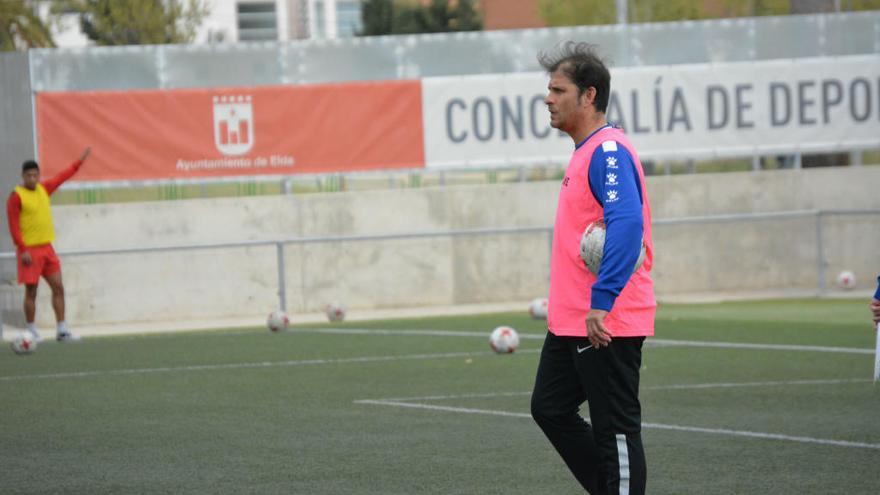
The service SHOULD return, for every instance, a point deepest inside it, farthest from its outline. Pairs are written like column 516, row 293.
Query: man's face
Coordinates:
column 30, row 178
column 565, row 106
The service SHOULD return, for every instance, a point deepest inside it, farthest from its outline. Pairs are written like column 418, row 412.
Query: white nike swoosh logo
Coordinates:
column 584, row 349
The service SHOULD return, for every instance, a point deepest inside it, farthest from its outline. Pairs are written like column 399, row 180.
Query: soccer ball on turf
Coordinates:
column 538, row 308
column 846, row 280
column 504, row 340
column 24, row 344
column 593, row 247
column 277, row 321
column 335, row 311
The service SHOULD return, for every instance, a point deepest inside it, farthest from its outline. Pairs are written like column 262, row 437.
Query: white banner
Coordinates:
column 669, row 112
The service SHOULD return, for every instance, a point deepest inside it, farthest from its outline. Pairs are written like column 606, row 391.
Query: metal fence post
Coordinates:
column 820, row 253
column 855, row 158
column 161, row 67
column 282, row 286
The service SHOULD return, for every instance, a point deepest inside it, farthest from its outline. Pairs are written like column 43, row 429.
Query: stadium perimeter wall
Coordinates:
column 16, row 145
column 16, row 133
column 728, row 256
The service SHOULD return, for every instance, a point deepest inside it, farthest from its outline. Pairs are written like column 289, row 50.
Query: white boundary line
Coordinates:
column 420, row 333
column 434, row 407
column 656, row 426
column 768, row 436
column 758, row 384
column 651, row 341
column 685, row 386
column 453, row 396
column 767, row 347
column 408, row 332
column 264, row 364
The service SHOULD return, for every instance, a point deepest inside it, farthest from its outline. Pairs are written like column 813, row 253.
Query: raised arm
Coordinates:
column 53, row 183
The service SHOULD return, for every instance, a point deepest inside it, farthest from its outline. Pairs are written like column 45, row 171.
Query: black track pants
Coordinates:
column 606, row 457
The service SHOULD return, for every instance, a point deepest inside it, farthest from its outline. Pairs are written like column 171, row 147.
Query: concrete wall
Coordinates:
column 239, row 282
column 16, row 130
column 16, row 145
column 233, row 282
column 676, row 196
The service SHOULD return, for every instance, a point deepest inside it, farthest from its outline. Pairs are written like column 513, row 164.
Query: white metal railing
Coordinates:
column 279, row 244
column 416, row 56
column 464, row 53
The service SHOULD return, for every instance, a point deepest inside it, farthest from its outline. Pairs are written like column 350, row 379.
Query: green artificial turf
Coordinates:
column 247, row 411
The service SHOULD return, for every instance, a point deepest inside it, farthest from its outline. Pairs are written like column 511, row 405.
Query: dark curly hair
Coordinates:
column 583, row 66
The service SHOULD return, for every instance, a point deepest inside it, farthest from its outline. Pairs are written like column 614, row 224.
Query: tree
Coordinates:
column 378, row 17
column 464, row 17
column 665, row 10
column 439, row 16
column 137, row 22
column 861, row 5
column 21, row 27
column 579, row 12
column 576, row 12
column 755, row 8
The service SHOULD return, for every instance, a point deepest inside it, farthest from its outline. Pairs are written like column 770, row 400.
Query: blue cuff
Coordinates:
column 602, row 299
column 877, row 294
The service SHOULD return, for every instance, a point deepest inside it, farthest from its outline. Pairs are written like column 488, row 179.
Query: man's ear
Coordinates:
column 589, row 96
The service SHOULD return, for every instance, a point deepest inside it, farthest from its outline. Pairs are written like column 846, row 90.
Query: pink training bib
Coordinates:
column 570, row 280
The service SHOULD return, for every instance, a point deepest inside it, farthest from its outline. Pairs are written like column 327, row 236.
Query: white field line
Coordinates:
column 767, row 347
column 769, row 436
column 757, row 384
column 655, row 426
column 685, row 386
column 452, row 396
column 434, row 407
column 264, row 364
column 436, row 333
column 650, row 341
column 411, row 333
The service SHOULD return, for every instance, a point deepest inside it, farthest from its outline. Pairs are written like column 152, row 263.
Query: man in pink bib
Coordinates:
column 597, row 323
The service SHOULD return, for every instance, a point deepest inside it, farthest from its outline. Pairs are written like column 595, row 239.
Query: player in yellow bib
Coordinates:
column 30, row 224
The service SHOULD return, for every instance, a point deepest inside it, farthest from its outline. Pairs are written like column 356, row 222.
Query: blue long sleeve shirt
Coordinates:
column 614, row 182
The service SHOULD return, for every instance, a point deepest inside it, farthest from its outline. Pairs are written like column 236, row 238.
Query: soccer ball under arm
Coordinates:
column 593, row 247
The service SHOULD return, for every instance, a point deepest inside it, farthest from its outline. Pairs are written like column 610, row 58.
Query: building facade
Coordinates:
column 231, row 21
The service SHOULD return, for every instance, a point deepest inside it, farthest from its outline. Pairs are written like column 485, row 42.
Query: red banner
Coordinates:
column 138, row 135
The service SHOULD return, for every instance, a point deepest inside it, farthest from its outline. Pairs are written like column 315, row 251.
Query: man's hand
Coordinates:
column 875, row 308
column 85, row 155
column 597, row 333
column 26, row 259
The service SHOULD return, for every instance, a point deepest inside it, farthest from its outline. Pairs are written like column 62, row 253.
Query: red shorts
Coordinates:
column 44, row 262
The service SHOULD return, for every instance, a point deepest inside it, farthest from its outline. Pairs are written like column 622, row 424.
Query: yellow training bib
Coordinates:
column 35, row 219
